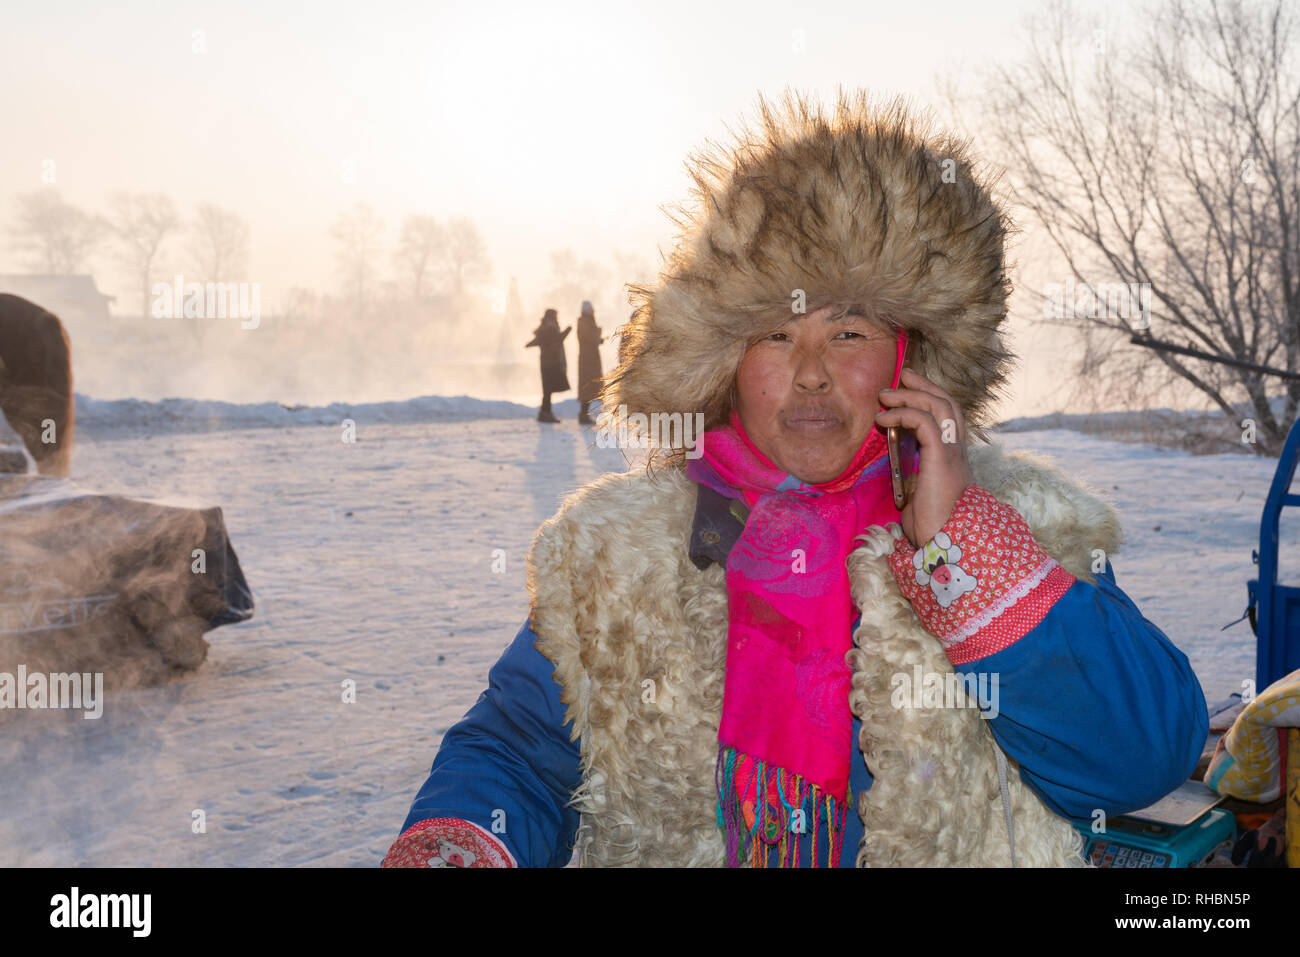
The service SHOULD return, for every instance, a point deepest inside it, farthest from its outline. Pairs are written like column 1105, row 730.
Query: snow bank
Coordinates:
column 103, row 418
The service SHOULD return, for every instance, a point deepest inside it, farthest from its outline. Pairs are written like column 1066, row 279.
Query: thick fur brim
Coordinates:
column 865, row 207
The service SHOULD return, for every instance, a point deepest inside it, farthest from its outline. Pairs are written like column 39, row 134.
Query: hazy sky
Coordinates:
column 553, row 125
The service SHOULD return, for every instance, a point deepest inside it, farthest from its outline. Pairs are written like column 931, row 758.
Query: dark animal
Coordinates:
column 36, row 382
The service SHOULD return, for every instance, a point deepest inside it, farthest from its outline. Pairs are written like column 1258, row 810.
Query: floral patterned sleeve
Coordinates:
column 1096, row 705
column 982, row 583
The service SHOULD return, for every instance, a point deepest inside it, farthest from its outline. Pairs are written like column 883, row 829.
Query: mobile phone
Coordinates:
column 903, row 456
column 904, row 451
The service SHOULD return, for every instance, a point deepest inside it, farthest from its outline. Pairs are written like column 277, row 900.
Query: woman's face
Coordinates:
column 808, row 393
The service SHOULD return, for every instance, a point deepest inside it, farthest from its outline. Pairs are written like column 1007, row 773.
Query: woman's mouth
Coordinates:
column 812, row 421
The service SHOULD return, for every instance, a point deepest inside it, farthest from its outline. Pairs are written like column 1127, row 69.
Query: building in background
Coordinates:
column 77, row 302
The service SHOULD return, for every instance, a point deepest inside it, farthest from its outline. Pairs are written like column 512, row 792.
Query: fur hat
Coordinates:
column 867, row 209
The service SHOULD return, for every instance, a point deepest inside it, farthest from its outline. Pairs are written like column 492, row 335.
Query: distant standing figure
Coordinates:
column 555, row 377
column 589, row 371
column 36, row 382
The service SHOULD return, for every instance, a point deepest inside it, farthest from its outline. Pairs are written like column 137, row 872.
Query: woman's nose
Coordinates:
column 810, row 373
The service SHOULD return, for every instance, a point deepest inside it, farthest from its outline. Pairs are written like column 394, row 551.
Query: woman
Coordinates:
column 589, row 370
column 550, row 340
column 732, row 658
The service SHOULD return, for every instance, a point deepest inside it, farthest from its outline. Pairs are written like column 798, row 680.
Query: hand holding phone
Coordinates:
column 922, row 416
column 904, row 452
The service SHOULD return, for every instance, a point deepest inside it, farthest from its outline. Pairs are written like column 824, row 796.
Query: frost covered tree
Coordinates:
column 466, row 260
column 1168, row 155
column 423, row 244
column 141, row 224
column 53, row 236
column 219, row 244
column 359, row 235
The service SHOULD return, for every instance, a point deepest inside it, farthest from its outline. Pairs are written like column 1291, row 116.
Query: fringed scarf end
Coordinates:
column 776, row 810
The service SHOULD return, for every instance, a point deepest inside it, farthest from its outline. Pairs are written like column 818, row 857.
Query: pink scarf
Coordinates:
column 785, row 741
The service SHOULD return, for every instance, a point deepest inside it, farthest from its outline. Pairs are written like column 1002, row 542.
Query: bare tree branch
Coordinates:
column 1168, row 157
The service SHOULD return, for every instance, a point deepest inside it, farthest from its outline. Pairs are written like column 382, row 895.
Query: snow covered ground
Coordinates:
column 373, row 562
column 116, row 417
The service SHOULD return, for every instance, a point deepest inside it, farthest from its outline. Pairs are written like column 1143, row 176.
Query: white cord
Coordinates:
column 1006, row 801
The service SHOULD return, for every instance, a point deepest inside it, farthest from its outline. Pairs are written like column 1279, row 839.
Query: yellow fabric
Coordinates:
column 1248, row 765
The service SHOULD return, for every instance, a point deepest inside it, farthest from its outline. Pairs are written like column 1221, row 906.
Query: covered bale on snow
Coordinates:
column 103, row 583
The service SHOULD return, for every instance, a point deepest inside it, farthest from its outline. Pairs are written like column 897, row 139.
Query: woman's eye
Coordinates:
column 778, row 337
column 850, row 332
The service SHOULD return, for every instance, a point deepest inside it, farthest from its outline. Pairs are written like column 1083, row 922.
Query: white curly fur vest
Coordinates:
column 616, row 602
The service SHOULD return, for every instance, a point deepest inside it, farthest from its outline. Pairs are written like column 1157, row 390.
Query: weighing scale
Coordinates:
column 1182, row 829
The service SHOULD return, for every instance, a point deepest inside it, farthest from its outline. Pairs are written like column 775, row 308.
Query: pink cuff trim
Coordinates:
column 982, row 583
column 448, row 842
column 1018, row 618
